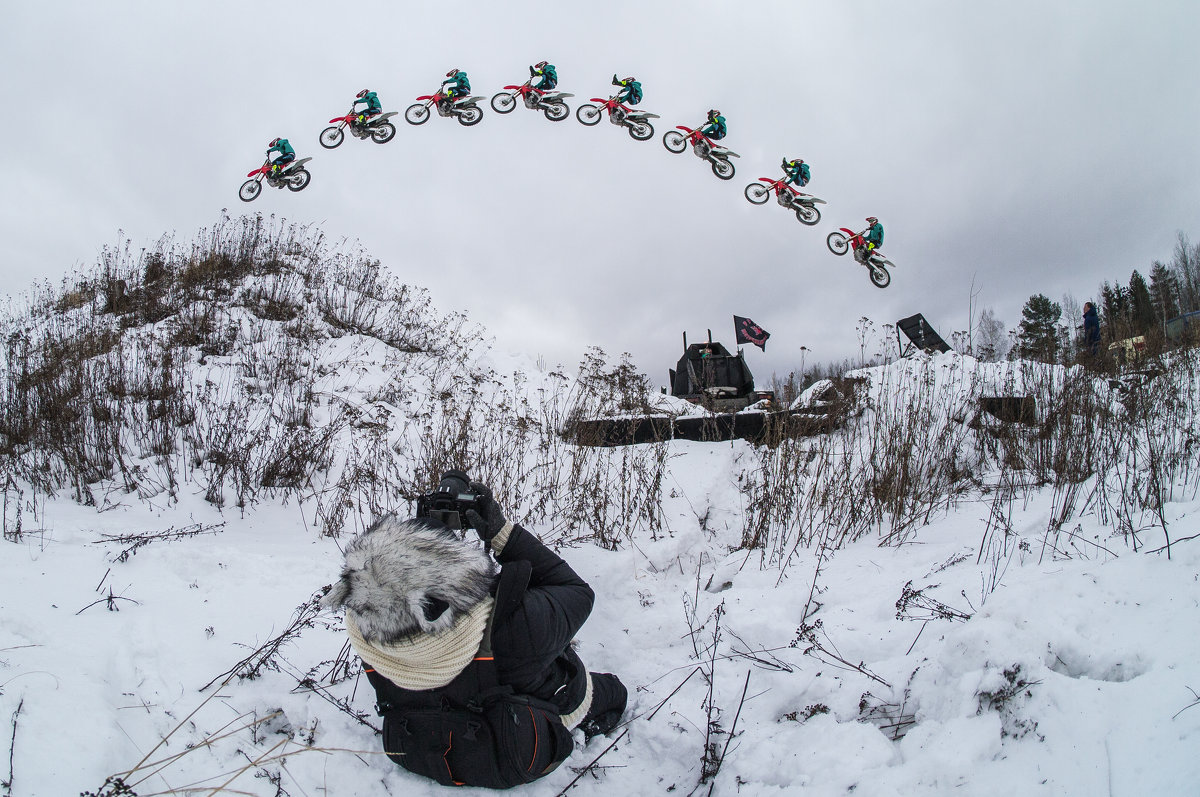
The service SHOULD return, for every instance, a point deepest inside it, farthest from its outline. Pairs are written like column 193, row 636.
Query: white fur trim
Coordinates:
column 425, row 661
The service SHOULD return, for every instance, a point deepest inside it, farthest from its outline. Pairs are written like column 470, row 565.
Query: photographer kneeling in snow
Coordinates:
column 473, row 669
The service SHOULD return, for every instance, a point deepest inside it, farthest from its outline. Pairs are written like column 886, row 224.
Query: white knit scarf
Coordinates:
column 425, row 661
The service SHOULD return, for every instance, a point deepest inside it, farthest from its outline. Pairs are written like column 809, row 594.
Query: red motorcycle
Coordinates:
column 841, row 242
column 377, row 128
column 548, row 102
column 636, row 122
column 803, row 204
column 294, row 177
column 465, row 109
column 704, row 147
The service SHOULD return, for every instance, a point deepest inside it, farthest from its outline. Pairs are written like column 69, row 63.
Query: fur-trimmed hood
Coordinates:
column 409, row 577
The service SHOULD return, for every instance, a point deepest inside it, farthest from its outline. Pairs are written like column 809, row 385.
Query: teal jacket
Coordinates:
column 283, row 148
column 549, row 77
column 630, row 93
column 800, row 175
column 372, row 101
column 459, row 82
column 875, row 235
column 716, row 128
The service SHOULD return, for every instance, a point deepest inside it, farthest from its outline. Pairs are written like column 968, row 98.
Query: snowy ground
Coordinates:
column 1104, row 642
column 1013, row 668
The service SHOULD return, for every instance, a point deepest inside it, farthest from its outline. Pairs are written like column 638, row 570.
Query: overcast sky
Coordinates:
column 1030, row 146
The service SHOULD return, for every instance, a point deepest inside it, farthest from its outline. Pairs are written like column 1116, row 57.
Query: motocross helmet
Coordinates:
column 452, row 72
column 362, row 93
column 274, row 142
column 872, row 220
column 713, row 113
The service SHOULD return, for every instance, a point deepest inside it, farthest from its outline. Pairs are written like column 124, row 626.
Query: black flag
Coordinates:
column 750, row 332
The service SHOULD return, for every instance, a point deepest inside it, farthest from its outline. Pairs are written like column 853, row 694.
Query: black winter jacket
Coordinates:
column 541, row 603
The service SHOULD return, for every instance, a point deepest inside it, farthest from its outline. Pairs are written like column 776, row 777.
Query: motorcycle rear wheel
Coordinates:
column 332, row 137
column 297, row 180
column 250, row 190
column 837, row 243
column 382, row 134
column 674, row 141
column 757, row 193
column 640, row 131
column 807, row 215
column 503, row 102
column 556, row 111
column 880, row 277
column 588, row 114
column 470, row 116
column 417, row 114
column 723, row 169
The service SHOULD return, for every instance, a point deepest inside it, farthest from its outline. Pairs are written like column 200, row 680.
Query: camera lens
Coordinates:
column 454, row 482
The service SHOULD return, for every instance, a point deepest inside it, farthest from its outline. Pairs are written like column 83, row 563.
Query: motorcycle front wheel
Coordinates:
column 556, row 111
column 757, row 193
column 588, row 114
column 503, row 102
column 382, row 134
column 249, row 190
column 674, row 141
column 880, row 277
column 723, row 169
column 417, row 114
column 331, row 137
column 807, row 215
column 640, row 131
column 837, row 243
column 470, row 116
column 297, row 180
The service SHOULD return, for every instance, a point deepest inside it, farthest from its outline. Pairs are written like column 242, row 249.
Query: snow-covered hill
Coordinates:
column 928, row 600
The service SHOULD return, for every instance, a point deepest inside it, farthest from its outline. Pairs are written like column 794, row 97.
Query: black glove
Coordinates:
column 489, row 523
column 532, row 73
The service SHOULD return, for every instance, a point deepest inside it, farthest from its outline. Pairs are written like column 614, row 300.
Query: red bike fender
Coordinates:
column 259, row 170
column 601, row 100
column 340, row 119
column 428, row 97
column 511, row 88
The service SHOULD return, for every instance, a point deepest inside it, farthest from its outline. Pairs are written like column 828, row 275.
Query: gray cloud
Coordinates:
column 1032, row 147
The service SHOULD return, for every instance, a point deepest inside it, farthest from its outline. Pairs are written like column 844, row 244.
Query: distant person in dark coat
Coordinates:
column 1091, row 329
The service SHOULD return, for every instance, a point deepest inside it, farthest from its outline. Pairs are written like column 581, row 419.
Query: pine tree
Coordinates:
column 1164, row 291
column 1038, row 338
column 1141, row 306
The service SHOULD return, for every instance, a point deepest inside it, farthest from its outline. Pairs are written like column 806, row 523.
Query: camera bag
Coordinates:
column 473, row 731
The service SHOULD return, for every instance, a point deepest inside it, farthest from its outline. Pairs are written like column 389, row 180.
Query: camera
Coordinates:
column 448, row 504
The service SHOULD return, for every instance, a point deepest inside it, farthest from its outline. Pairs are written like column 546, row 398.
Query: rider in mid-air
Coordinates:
column 373, row 105
column 874, row 239
column 456, row 84
column 796, row 171
column 630, row 92
column 716, row 128
column 547, row 73
column 286, row 154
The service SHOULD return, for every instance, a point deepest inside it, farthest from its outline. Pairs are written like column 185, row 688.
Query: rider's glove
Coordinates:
column 491, row 521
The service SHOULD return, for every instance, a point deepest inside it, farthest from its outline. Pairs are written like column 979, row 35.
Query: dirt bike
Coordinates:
column 377, row 128
column 803, row 204
column 548, row 102
column 841, row 242
column 634, row 121
column 704, row 147
column 462, row 108
column 292, row 176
